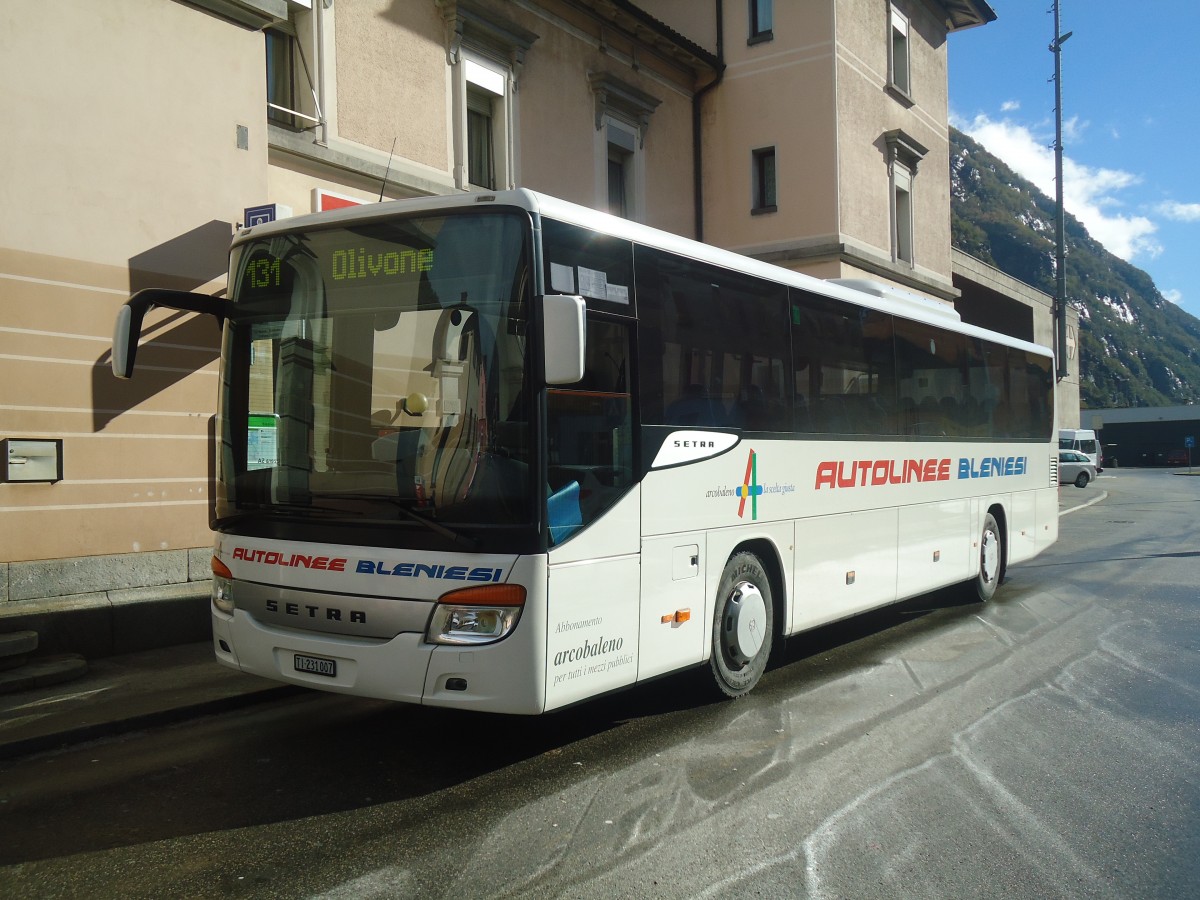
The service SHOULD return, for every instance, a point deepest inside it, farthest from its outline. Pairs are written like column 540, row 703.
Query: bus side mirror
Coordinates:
column 565, row 338
column 124, row 342
column 128, row 327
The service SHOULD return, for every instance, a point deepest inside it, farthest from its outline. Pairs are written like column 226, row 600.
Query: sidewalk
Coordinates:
column 126, row 693
column 160, row 686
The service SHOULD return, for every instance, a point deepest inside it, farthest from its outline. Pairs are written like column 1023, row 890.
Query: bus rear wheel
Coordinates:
column 743, row 625
column 991, row 560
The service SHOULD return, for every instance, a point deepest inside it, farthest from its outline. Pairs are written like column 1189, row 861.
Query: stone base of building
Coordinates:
column 107, row 605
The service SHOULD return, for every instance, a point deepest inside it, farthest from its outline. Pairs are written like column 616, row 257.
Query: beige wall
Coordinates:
column 391, row 77
column 779, row 93
column 696, row 20
column 866, row 110
column 123, row 162
column 557, row 135
column 818, row 93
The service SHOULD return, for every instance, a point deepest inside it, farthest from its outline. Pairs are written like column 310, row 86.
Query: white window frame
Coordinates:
column 622, row 119
column 485, row 55
column 904, row 155
column 619, row 137
column 484, row 77
column 899, row 51
column 305, row 70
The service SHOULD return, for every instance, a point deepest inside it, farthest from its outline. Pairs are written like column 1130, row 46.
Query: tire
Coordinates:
column 1081, row 480
column 743, row 625
column 991, row 560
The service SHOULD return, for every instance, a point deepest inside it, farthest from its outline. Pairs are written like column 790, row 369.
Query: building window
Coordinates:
column 622, row 119
column 293, row 67
column 904, row 154
column 763, row 181
column 485, row 55
column 620, row 165
column 486, row 142
column 761, row 21
column 281, row 87
column 902, row 214
column 899, row 74
column 481, row 146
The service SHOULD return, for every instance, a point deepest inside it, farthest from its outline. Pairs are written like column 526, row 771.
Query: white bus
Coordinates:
column 501, row 452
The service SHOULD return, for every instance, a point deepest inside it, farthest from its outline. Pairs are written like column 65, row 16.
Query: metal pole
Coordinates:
column 1060, row 248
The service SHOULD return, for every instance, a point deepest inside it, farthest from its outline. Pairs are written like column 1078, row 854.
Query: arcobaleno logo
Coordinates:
column 750, row 488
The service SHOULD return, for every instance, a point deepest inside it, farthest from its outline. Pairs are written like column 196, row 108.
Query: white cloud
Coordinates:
column 1180, row 212
column 1010, row 106
column 1173, row 296
column 1073, row 130
column 1089, row 194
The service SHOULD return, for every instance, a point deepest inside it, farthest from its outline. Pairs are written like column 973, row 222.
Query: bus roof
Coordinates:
column 873, row 295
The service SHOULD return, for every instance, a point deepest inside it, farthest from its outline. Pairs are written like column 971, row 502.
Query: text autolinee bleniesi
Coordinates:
column 876, row 472
column 436, row 571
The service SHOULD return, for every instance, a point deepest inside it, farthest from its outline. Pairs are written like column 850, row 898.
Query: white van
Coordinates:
column 1083, row 440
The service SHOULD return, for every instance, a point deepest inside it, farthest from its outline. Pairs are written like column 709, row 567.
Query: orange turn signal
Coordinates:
column 487, row 595
column 220, row 569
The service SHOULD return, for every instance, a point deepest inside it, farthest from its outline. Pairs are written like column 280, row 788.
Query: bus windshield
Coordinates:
column 379, row 372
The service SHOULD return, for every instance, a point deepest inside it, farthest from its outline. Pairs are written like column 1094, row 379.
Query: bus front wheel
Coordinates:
column 743, row 625
column 991, row 560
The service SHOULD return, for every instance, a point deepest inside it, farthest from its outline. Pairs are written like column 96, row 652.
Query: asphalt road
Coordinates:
column 1045, row 745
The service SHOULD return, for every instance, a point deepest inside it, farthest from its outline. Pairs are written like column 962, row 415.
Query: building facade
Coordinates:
column 811, row 134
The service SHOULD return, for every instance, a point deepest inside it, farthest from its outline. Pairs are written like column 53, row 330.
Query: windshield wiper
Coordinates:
column 450, row 534
column 304, row 509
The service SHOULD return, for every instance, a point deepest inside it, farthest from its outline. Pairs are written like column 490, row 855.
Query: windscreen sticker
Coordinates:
column 618, row 293
column 562, row 278
column 593, row 283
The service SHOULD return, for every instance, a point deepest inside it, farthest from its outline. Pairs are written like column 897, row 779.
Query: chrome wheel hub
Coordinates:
column 744, row 628
column 989, row 557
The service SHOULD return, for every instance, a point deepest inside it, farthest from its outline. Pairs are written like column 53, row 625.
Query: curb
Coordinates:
column 83, row 733
column 114, row 622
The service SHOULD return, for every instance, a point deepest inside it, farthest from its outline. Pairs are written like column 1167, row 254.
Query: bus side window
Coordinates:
column 845, row 369
column 712, row 355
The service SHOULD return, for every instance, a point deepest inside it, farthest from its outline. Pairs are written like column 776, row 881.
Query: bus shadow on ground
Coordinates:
column 317, row 754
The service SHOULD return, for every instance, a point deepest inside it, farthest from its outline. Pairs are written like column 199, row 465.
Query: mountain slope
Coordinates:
column 1136, row 348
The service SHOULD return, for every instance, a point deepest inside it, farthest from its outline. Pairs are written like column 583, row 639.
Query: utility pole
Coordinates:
column 1060, row 221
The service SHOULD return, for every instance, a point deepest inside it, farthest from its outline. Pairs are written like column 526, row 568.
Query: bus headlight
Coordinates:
column 222, row 586
column 477, row 615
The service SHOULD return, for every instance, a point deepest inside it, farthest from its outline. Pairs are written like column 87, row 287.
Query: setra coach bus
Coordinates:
column 501, row 452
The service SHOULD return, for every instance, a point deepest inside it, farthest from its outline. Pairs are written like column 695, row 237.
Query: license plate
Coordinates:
column 316, row 665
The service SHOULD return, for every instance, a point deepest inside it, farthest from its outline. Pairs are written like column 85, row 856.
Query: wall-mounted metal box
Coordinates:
column 31, row 460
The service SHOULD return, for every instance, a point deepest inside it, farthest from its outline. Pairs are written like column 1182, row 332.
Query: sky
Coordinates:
column 1131, row 120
